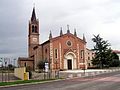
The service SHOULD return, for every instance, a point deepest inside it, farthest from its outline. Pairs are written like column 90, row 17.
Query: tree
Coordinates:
column 10, row 66
column 29, row 69
column 115, row 60
column 41, row 64
column 102, row 52
column 115, row 56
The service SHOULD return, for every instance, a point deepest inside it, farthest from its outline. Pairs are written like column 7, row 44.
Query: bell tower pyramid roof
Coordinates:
column 33, row 17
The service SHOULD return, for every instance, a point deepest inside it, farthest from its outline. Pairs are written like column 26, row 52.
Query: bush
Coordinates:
column 93, row 67
column 11, row 67
column 115, row 63
column 28, row 69
column 41, row 64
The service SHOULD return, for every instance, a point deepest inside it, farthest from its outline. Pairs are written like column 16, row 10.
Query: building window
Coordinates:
column 82, row 53
column 88, row 58
column 34, row 29
column 88, row 64
column 56, row 53
column 69, row 43
column 25, row 64
column 46, row 50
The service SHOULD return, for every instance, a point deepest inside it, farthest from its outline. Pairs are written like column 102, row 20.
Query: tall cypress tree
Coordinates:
column 102, row 52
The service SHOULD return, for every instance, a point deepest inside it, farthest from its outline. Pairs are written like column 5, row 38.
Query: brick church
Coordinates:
column 64, row 52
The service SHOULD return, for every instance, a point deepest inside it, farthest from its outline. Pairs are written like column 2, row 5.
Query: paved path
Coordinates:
column 108, row 81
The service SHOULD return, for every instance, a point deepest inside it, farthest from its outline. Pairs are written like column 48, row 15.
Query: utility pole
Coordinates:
column 83, row 57
column 5, row 60
column 8, row 68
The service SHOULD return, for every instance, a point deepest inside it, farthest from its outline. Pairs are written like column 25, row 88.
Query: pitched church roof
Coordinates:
column 67, row 34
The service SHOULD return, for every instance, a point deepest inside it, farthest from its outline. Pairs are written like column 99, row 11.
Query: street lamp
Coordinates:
column 5, row 63
column 50, row 67
column 8, row 68
column 83, row 61
column 57, row 70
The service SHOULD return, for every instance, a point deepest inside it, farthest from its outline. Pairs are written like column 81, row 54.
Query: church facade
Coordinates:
column 64, row 52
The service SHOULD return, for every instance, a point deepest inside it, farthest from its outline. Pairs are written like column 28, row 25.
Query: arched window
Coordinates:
column 56, row 53
column 35, row 29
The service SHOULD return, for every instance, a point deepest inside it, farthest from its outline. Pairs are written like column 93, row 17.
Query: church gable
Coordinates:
column 67, row 47
column 66, row 38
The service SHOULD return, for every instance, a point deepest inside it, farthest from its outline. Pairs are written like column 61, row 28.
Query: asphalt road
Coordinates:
column 110, row 81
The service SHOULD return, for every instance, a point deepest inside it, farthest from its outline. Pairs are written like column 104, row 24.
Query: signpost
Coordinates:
column 46, row 67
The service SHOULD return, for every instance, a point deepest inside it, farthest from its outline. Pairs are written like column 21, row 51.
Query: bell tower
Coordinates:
column 33, row 36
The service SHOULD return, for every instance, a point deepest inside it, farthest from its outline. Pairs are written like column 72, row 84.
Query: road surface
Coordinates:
column 110, row 81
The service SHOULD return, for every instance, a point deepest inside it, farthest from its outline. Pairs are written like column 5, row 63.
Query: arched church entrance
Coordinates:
column 70, row 61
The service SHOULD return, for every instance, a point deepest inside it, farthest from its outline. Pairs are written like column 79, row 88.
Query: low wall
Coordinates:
column 85, row 74
column 21, row 73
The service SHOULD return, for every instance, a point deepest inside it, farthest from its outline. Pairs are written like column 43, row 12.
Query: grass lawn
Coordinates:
column 22, row 82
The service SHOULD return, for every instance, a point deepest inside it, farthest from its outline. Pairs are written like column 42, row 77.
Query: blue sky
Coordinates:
column 87, row 16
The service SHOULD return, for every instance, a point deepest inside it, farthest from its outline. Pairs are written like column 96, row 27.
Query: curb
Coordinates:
column 30, row 83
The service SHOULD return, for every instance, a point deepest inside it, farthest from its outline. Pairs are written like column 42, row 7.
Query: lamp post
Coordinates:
column 5, row 61
column 2, row 71
column 49, row 68
column 57, row 70
column 8, row 68
column 83, row 61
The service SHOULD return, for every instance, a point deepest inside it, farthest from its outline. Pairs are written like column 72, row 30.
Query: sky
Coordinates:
column 89, row 17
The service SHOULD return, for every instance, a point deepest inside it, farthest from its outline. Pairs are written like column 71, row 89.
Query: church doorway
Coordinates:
column 70, row 61
column 69, row 64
